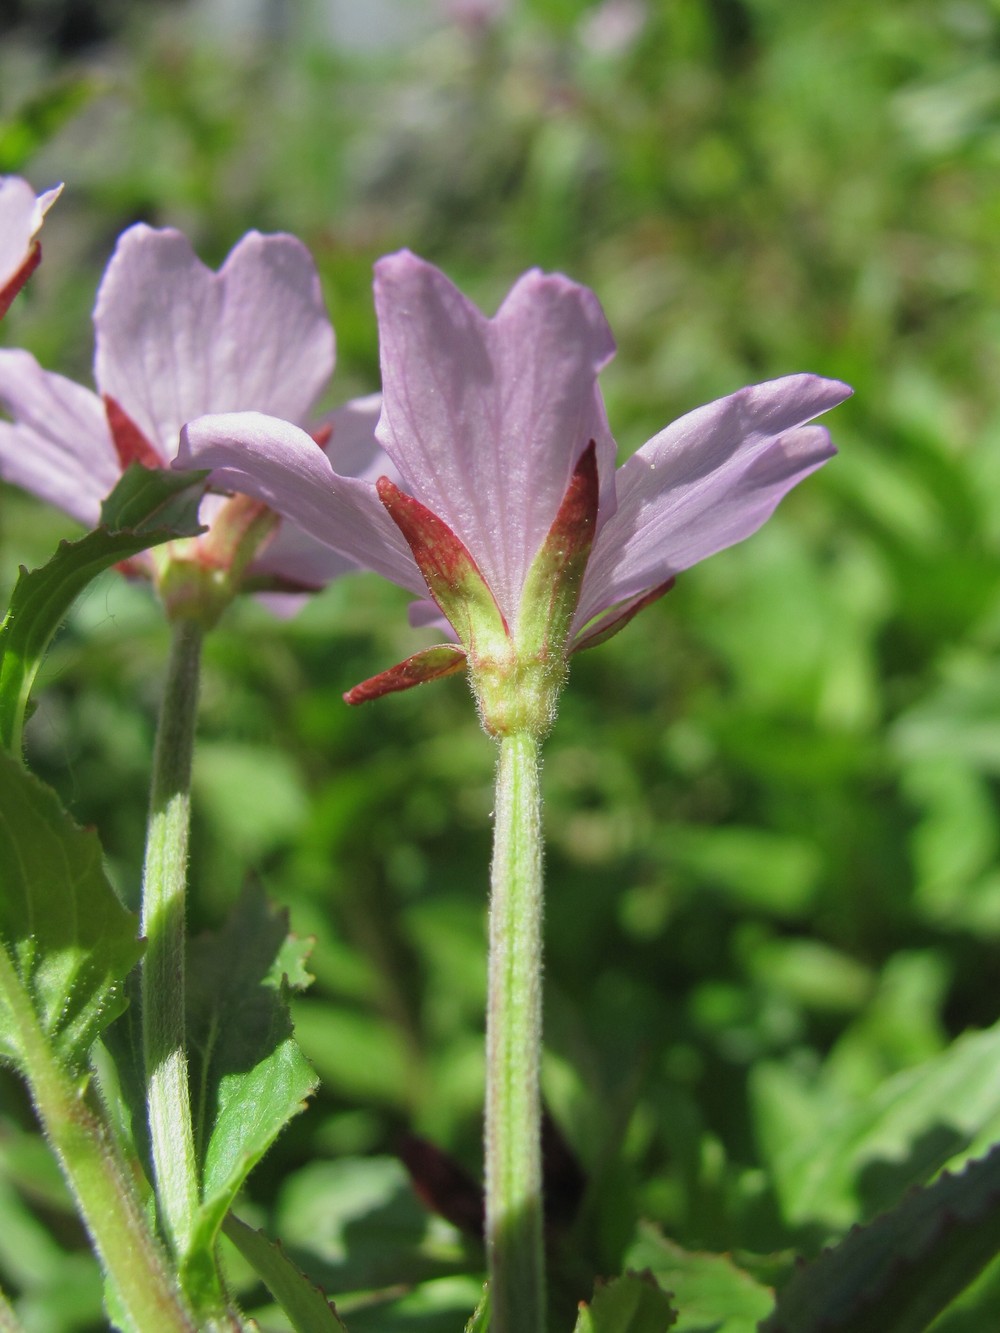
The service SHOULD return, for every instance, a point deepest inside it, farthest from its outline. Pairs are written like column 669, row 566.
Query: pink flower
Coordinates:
column 175, row 340
column 510, row 509
column 21, row 217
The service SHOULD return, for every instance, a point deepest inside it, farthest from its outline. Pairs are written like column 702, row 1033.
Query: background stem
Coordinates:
column 98, row 1179
column 513, row 1047
column 163, row 924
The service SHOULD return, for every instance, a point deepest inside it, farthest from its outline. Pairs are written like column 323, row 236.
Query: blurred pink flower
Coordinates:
column 175, row 340
column 21, row 217
column 490, row 420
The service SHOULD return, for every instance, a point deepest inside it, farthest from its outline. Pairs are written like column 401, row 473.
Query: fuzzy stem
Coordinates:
column 97, row 1177
column 513, row 1047
column 163, row 895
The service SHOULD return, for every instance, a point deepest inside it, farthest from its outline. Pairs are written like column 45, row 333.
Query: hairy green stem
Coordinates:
column 97, row 1177
column 163, row 925
column 514, row 1218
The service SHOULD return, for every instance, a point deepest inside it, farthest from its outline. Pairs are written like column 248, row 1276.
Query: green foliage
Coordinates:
column 248, row 1076
column 67, row 941
column 772, row 805
column 897, row 1274
column 307, row 1308
column 41, row 117
column 146, row 508
column 707, row 1290
column 630, row 1304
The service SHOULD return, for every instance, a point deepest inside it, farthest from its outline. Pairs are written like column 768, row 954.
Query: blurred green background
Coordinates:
column 773, row 930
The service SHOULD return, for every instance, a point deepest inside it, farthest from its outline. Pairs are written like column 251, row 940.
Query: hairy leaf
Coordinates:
column 68, row 943
column 899, row 1273
column 307, row 1308
column 145, row 509
column 633, row 1303
column 248, row 1076
column 708, row 1290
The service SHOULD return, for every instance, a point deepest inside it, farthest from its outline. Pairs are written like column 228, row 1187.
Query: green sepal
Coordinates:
column 898, row 1273
column 67, row 941
column 634, row 1303
column 606, row 626
column 444, row 659
column 308, row 1310
column 145, row 509
column 452, row 576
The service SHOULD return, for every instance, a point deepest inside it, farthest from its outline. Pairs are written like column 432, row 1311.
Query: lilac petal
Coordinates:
column 705, row 482
column 350, row 442
column 21, row 217
column 297, row 557
column 176, row 341
column 283, row 466
column 59, row 446
column 426, row 614
column 486, row 418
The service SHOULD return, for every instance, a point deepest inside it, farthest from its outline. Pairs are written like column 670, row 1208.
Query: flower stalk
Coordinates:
column 163, row 925
column 514, row 1209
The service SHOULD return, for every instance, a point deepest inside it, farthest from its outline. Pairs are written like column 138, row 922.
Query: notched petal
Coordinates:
column 444, row 659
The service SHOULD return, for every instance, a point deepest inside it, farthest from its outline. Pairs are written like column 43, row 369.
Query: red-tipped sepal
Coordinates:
column 607, row 625
column 552, row 588
column 452, row 576
column 444, row 659
column 13, row 285
column 130, row 443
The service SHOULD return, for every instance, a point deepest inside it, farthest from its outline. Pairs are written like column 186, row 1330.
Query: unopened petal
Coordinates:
column 280, row 464
column 486, row 418
column 58, row 445
column 706, row 482
column 176, row 341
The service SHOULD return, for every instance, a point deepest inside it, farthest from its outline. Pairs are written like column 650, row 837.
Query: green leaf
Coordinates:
column 899, row 1273
column 835, row 1160
column 708, row 1291
column 633, row 1303
column 479, row 1320
column 307, row 1308
column 248, row 1076
column 145, row 509
column 68, row 943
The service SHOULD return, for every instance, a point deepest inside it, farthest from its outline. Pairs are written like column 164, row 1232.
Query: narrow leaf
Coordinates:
column 307, row 1308
column 708, row 1290
column 897, row 1274
column 633, row 1303
column 67, row 940
column 248, row 1076
column 479, row 1320
column 431, row 664
column 145, row 509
